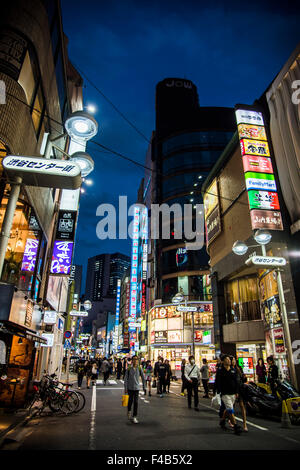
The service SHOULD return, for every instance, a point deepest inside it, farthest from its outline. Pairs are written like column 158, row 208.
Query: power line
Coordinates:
column 111, row 103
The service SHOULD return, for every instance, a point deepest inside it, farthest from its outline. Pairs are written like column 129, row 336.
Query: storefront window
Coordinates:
column 242, row 300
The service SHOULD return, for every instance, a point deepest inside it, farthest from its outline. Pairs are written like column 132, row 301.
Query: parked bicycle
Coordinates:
column 58, row 396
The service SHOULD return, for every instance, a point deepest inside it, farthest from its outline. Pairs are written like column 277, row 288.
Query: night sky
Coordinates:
column 230, row 50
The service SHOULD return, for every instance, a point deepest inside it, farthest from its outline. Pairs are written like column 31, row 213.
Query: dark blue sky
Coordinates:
column 231, row 51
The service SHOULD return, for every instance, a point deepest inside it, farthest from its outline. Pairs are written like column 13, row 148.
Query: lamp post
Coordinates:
column 263, row 237
column 177, row 299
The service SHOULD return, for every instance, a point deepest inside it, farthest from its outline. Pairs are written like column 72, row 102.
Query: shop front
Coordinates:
column 171, row 334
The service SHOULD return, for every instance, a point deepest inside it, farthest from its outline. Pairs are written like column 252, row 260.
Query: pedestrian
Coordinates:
column 162, row 376
column 261, row 371
column 183, row 379
column 111, row 365
column 205, row 376
column 227, row 386
column 218, row 367
column 105, row 368
column 241, row 396
column 80, row 372
column 168, row 378
column 94, row 371
column 132, row 387
column 119, row 369
column 148, row 371
column 192, row 375
column 88, row 372
column 272, row 374
column 64, row 363
column 156, row 375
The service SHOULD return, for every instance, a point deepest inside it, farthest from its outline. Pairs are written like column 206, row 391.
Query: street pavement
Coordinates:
column 164, row 424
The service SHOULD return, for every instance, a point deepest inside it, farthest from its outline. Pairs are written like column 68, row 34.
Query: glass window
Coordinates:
column 181, row 259
column 242, row 300
column 207, row 138
column 27, row 79
column 187, row 160
column 182, row 183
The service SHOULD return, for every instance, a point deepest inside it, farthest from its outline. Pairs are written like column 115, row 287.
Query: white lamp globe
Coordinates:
column 81, row 125
column 263, row 237
column 87, row 304
column 84, row 161
column 239, row 248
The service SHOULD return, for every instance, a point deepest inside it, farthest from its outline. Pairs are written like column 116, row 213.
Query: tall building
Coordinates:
column 187, row 142
column 41, row 89
column 103, row 272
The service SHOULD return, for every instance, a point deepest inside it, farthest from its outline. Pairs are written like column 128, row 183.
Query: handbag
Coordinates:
column 216, row 401
column 154, row 384
column 125, row 399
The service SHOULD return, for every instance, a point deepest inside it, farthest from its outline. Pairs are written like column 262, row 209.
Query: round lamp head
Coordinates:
column 87, row 305
column 81, row 125
column 84, row 161
column 239, row 248
column 263, row 237
column 178, row 298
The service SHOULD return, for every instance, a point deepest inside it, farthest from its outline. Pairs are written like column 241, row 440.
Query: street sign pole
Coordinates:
column 68, row 365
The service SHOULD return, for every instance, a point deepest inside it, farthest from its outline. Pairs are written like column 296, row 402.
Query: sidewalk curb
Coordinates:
column 14, row 426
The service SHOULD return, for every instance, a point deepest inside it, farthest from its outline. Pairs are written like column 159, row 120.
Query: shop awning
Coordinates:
column 21, row 331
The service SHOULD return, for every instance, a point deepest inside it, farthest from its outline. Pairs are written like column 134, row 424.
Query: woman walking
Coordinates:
column 88, row 372
column 148, row 372
column 241, row 399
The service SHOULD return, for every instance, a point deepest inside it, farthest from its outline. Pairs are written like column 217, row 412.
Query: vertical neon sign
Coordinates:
column 134, row 269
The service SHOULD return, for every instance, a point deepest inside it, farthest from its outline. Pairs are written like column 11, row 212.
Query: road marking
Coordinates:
column 239, row 419
column 146, row 401
column 110, row 388
column 92, row 435
column 112, row 382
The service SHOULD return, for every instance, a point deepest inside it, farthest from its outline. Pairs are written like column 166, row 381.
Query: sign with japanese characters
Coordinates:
column 62, row 257
column 66, row 225
column 258, row 169
column 273, row 261
column 213, row 225
column 211, row 198
column 263, row 200
column 270, row 220
column 30, row 255
column 249, row 117
column 44, row 172
column 254, row 147
column 279, row 340
column 257, row 164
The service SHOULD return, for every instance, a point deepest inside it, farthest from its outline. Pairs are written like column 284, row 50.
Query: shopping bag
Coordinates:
column 216, row 401
column 125, row 399
column 154, row 384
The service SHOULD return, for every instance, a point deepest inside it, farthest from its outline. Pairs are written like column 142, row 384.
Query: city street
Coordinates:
column 164, row 424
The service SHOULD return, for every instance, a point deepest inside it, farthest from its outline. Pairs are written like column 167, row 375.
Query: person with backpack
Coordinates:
column 192, row 375
column 80, row 371
column 132, row 387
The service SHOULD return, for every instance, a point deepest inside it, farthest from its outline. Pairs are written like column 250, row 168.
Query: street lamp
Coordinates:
column 263, row 237
column 84, row 161
column 81, row 125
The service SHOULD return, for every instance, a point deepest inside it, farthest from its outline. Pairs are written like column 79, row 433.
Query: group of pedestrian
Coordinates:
column 190, row 374
column 90, row 368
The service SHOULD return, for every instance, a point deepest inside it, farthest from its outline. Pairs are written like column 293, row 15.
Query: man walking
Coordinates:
column 156, row 375
column 192, row 375
column 205, row 376
column 132, row 387
column 227, row 385
column 183, row 379
column 119, row 369
column 162, row 373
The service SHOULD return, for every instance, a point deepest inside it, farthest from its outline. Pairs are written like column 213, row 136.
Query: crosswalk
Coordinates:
column 110, row 382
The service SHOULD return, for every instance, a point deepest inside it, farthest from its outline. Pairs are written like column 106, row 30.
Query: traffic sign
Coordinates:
column 67, row 344
column 78, row 313
column 68, row 334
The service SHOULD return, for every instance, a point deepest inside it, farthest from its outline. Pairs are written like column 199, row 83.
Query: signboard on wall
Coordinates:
column 213, row 225
column 258, row 169
column 279, row 340
column 66, row 225
column 160, row 337
column 62, row 257
column 246, row 363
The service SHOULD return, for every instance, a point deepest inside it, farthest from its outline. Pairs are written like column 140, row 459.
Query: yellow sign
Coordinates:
column 250, row 131
column 254, row 147
column 211, row 198
column 143, row 325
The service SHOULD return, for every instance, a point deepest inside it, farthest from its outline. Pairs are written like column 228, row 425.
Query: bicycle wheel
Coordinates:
column 55, row 402
column 81, row 403
column 70, row 402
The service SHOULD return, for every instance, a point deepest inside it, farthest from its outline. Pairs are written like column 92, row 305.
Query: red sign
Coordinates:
column 68, row 334
column 257, row 164
column 279, row 340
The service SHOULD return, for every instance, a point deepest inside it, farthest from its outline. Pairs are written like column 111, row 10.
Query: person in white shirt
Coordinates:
column 192, row 375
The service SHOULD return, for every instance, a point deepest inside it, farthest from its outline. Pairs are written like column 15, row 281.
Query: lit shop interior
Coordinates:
column 171, row 334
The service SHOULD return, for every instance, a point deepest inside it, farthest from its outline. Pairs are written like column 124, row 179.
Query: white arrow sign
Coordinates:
column 266, row 261
column 181, row 308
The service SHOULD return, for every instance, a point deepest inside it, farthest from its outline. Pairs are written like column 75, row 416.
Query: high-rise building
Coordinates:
column 187, row 142
column 103, row 272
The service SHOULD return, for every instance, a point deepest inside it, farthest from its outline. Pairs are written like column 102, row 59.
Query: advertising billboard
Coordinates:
column 263, row 181
column 263, row 200
column 249, row 117
column 257, row 164
column 250, row 131
column 61, row 257
column 270, row 220
column 254, row 147
column 134, row 269
column 30, row 255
